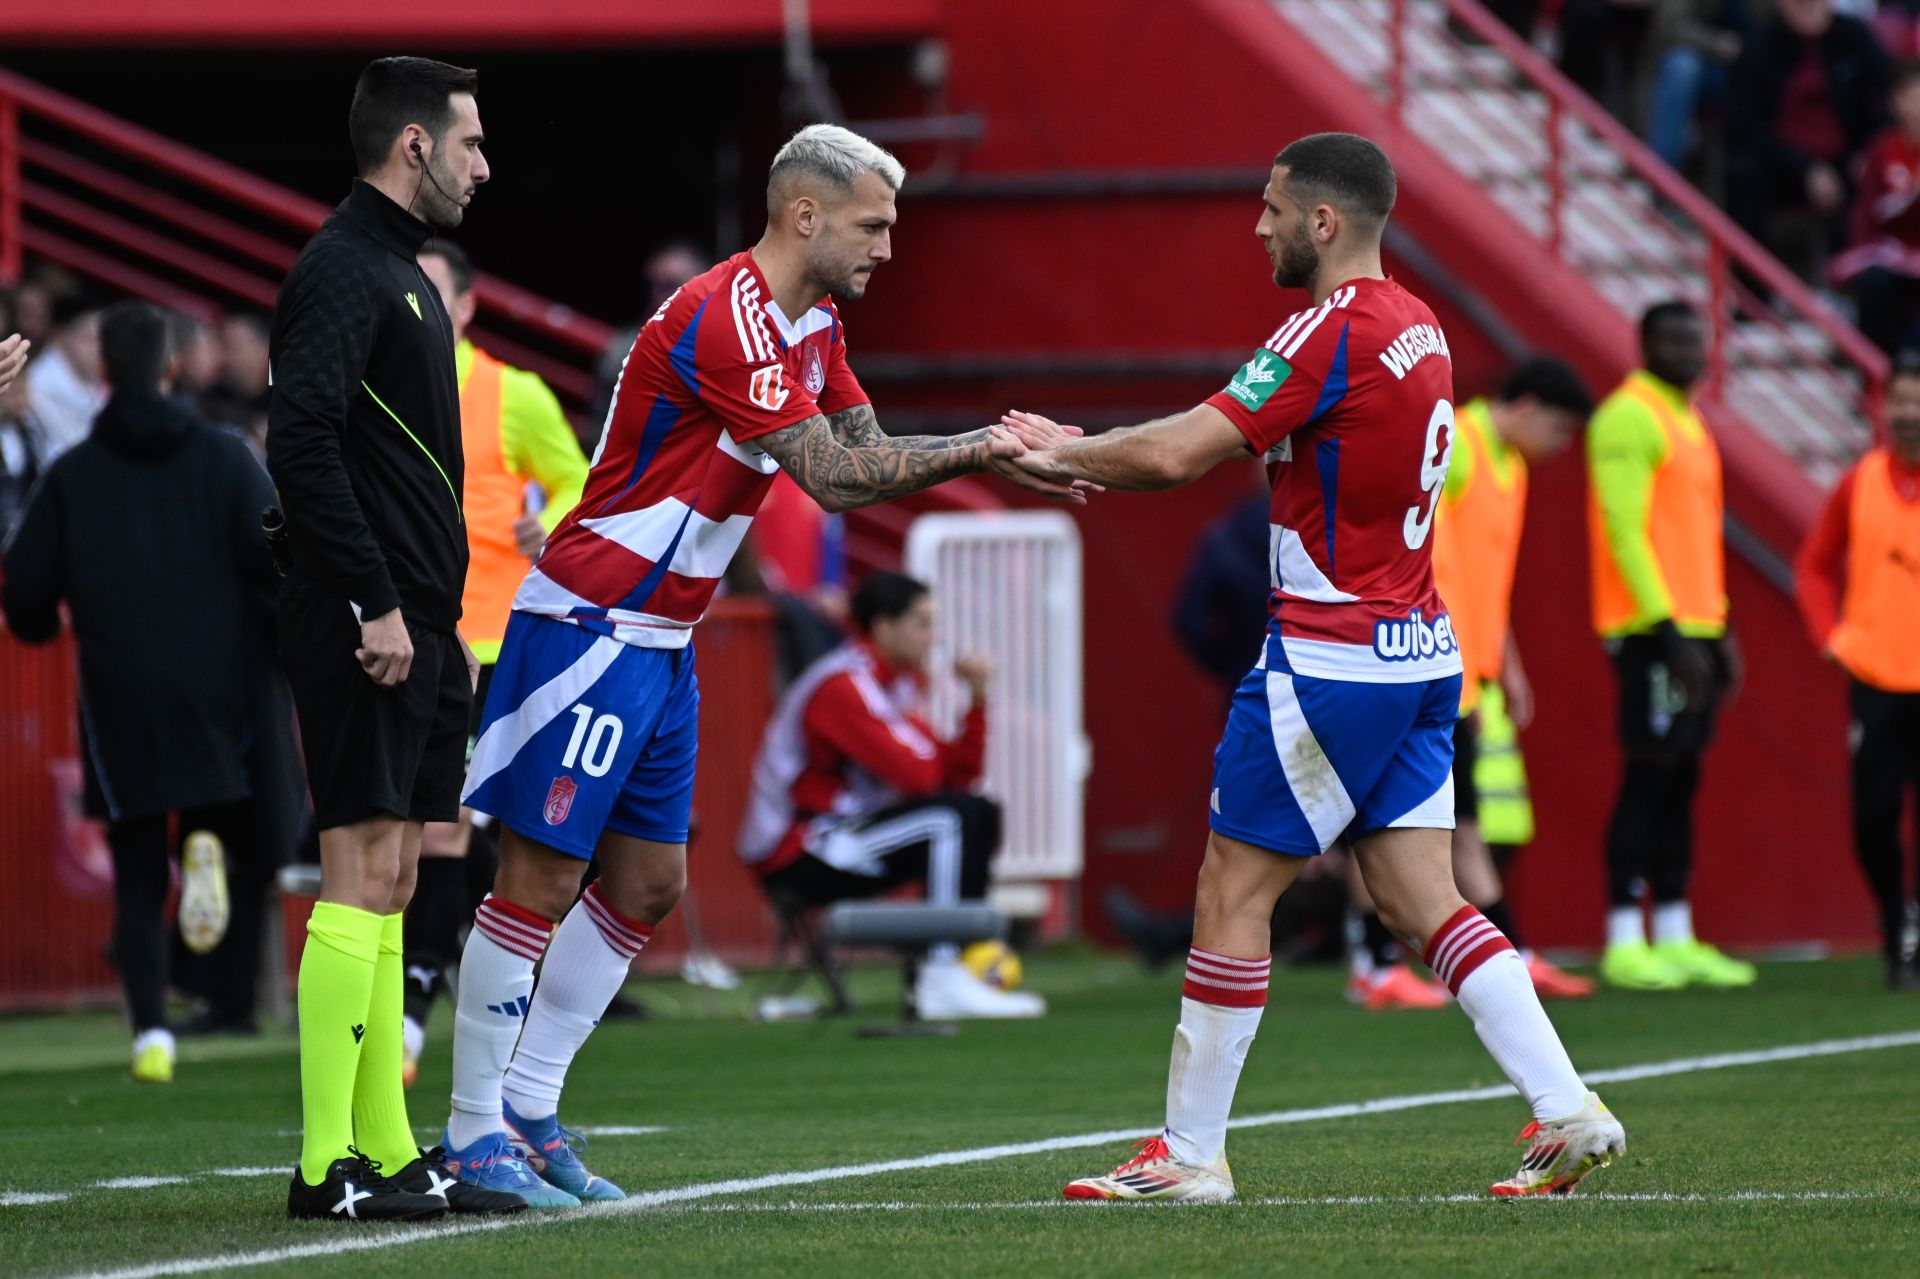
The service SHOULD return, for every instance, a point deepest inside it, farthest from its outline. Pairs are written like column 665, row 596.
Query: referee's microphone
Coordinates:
column 428, row 170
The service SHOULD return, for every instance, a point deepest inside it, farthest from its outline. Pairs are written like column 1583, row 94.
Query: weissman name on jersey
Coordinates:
column 1413, row 346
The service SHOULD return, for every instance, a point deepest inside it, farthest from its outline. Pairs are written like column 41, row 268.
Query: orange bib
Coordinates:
column 1482, row 527
column 494, row 499
column 1684, row 522
column 1878, row 638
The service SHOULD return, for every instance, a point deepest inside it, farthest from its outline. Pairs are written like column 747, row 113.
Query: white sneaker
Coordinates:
column 203, row 891
column 1562, row 1151
column 1154, row 1173
column 946, row 991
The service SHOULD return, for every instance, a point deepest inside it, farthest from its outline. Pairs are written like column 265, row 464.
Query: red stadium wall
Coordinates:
column 1217, row 85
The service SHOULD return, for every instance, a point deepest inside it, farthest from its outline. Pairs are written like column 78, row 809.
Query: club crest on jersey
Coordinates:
column 813, row 370
column 1258, row 379
column 767, row 388
column 1410, row 638
column 559, row 800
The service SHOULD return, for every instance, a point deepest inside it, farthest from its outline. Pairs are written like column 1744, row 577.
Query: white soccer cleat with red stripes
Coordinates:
column 1562, row 1151
column 1154, row 1173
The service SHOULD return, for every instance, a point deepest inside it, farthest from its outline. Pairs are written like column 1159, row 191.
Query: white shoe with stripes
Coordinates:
column 1562, row 1151
column 1154, row 1173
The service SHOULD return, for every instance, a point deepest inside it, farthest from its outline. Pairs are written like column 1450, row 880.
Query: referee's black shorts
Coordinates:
column 372, row 751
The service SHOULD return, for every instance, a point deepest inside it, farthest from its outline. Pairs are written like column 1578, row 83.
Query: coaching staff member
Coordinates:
column 363, row 440
column 1858, row 581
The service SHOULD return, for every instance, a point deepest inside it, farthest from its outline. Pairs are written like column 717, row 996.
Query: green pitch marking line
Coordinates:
column 344, row 1242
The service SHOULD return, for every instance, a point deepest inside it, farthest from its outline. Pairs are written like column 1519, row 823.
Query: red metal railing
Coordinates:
column 145, row 215
column 1600, row 200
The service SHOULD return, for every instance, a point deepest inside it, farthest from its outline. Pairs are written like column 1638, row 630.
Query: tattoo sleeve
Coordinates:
column 846, row 460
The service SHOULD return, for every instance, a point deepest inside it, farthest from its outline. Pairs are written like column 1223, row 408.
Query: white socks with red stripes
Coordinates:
column 586, row 966
column 1220, row 1008
column 496, row 979
column 1487, row 976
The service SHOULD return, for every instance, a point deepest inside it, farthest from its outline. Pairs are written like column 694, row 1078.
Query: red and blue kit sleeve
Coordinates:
column 739, row 375
column 1298, row 375
column 843, row 390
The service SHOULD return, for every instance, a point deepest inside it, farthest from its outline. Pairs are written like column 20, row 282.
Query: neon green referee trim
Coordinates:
column 445, row 478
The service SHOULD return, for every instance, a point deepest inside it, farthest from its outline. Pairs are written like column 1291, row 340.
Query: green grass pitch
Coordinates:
column 1795, row 1167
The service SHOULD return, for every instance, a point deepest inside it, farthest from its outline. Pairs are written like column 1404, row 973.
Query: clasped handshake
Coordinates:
column 1021, row 448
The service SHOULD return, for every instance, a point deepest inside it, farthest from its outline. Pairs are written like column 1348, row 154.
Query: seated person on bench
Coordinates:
column 854, row 794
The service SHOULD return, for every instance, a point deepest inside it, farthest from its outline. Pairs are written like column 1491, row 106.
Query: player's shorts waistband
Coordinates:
column 1431, row 654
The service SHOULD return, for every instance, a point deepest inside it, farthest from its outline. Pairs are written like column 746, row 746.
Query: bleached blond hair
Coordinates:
column 834, row 155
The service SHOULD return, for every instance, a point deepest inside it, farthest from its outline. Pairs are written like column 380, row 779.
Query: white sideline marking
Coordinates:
column 275, row 1171
column 946, row 1159
column 22, row 1198
column 621, row 1130
column 137, row 1183
column 1295, row 1201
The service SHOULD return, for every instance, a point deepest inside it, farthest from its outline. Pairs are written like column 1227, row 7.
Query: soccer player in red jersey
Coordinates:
column 587, row 745
column 1343, row 731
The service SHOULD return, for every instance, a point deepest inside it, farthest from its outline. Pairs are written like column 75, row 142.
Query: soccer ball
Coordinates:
column 993, row 962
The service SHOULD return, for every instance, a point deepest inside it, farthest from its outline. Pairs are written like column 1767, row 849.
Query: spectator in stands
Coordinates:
column 149, row 531
column 200, row 359
column 1897, row 23
column 64, row 386
column 241, row 395
column 19, row 468
column 670, row 266
column 1690, row 47
column 1658, row 579
column 854, row 794
column 1882, row 265
column 1600, row 44
column 1805, row 97
column 39, row 290
column 1860, row 594
column 524, row 473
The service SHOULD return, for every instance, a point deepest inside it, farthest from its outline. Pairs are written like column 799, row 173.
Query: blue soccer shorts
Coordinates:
column 1308, row 762
column 583, row 733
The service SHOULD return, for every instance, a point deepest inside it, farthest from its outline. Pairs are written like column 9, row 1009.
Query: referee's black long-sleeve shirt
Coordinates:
column 363, row 433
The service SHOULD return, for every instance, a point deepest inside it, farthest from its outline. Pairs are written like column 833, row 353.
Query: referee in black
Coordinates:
column 363, row 441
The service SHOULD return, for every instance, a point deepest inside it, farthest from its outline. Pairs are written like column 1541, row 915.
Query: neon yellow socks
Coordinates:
column 380, row 1126
column 335, row 990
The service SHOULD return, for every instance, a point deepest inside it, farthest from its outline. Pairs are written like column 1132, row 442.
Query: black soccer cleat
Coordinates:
column 354, row 1190
column 428, row 1175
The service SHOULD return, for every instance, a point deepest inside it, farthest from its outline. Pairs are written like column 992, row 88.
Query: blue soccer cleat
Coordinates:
column 492, row 1164
column 552, row 1151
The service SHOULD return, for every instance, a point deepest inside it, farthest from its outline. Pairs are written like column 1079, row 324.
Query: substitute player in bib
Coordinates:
column 1343, row 731
column 587, row 743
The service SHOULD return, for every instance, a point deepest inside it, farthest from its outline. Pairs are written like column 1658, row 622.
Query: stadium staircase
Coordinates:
column 1585, row 192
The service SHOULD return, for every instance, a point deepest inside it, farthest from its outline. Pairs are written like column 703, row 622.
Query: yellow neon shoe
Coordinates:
column 1634, row 965
column 1703, row 965
column 153, row 1064
column 204, row 911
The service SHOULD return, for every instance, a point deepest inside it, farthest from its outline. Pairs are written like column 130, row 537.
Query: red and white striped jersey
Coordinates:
column 677, row 477
column 849, row 739
column 1350, row 405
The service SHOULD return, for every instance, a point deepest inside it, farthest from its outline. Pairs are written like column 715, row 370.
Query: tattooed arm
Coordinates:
column 867, row 466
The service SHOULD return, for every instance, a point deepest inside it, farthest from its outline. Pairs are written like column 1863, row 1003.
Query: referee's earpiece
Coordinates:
column 414, row 146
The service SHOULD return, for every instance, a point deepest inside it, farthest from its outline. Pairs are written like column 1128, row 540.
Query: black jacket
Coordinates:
column 1858, row 75
column 149, row 530
column 363, row 434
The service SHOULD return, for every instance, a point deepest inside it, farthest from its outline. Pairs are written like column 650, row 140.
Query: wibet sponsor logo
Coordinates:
column 1413, row 346
column 1412, row 639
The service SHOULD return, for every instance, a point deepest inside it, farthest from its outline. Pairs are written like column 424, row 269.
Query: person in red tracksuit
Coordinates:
column 854, row 793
